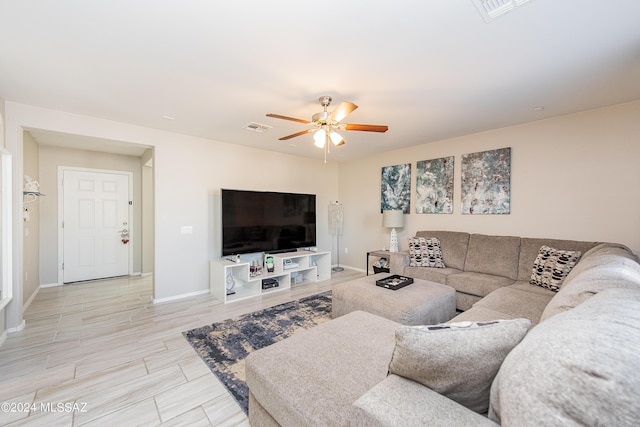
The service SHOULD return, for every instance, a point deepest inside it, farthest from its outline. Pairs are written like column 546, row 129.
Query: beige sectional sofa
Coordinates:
column 577, row 365
column 478, row 264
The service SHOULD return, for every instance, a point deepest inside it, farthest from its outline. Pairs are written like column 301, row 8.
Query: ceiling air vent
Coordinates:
column 257, row 127
column 491, row 9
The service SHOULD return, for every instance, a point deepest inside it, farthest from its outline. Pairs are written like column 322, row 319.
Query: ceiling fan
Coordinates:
column 325, row 124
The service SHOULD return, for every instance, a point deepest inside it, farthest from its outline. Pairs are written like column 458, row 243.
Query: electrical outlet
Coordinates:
column 346, row 250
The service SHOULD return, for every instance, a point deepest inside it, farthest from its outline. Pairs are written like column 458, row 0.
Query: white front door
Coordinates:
column 96, row 225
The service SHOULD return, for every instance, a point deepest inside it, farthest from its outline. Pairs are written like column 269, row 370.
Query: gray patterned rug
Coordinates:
column 223, row 346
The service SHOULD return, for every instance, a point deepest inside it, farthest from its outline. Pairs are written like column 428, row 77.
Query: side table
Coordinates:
column 380, row 254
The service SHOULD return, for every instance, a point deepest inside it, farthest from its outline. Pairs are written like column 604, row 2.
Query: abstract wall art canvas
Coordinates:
column 486, row 182
column 434, row 186
column 395, row 190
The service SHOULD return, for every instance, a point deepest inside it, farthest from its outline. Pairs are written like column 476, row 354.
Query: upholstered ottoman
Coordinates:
column 420, row 303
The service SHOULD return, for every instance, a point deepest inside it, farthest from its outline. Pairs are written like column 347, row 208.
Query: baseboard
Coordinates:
column 50, row 285
column 179, row 297
column 146, row 274
column 30, row 300
column 17, row 328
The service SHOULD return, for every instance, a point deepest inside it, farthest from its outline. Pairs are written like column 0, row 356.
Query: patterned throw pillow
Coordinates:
column 425, row 252
column 457, row 360
column 552, row 266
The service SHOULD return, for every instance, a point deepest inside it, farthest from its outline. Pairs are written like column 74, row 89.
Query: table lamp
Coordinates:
column 393, row 219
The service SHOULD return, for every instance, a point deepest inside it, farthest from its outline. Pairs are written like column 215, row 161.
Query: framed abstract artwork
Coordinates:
column 395, row 191
column 434, row 186
column 486, row 182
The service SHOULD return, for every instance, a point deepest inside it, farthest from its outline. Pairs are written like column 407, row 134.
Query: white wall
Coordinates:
column 31, row 235
column 573, row 177
column 148, row 216
column 3, row 322
column 188, row 174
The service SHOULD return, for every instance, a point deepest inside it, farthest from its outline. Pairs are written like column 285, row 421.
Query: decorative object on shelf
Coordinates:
column 336, row 220
column 486, row 182
column 434, row 186
column 393, row 219
column 395, row 191
column 231, row 283
column 255, row 269
column 268, row 261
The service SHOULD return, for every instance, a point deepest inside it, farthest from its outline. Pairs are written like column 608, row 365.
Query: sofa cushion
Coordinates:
column 530, row 247
column 397, row 401
column 454, row 246
column 551, row 266
column 438, row 275
column 458, row 360
column 577, row 368
column 481, row 314
column 495, row 255
column 425, row 252
column 479, row 284
column 604, row 267
column 515, row 302
column 522, row 285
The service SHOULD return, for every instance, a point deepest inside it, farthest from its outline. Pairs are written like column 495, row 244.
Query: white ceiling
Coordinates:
column 428, row 69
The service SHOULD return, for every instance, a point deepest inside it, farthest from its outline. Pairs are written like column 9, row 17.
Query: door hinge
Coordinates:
column 63, row 265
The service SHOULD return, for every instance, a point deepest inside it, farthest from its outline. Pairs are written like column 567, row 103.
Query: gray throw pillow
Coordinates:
column 425, row 252
column 552, row 266
column 457, row 360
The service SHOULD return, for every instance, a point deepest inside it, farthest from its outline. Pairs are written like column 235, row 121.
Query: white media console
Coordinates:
column 290, row 269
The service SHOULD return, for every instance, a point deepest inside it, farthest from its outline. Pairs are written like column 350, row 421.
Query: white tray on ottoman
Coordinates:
column 420, row 303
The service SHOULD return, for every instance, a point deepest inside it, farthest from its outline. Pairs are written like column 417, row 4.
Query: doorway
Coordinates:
column 96, row 226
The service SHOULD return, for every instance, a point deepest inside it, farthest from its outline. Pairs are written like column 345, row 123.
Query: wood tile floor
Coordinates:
column 101, row 353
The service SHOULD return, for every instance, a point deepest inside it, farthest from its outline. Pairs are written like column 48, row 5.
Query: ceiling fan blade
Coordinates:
column 342, row 111
column 366, row 128
column 293, row 135
column 293, row 119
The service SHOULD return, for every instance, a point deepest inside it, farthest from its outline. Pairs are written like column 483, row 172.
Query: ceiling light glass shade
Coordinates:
column 320, row 138
column 336, row 138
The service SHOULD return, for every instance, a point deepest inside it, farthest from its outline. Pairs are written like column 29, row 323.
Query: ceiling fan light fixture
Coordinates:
column 320, row 138
column 335, row 137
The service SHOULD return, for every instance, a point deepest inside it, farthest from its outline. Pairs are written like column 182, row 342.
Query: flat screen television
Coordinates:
column 266, row 221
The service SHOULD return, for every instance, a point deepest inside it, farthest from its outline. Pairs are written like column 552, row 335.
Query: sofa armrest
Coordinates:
column 397, row 401
column 398, row 261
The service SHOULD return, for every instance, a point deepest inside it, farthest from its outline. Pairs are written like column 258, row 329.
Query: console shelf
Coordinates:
column 290, row 269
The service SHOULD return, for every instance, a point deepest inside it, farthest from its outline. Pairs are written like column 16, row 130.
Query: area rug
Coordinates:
column 223, row 346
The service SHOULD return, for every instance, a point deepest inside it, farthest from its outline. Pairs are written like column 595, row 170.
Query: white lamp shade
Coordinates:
column 336, row 138
column 320, row 138
column 393, row 218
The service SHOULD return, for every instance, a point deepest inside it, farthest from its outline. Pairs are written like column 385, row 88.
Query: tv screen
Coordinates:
column 264, row 221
